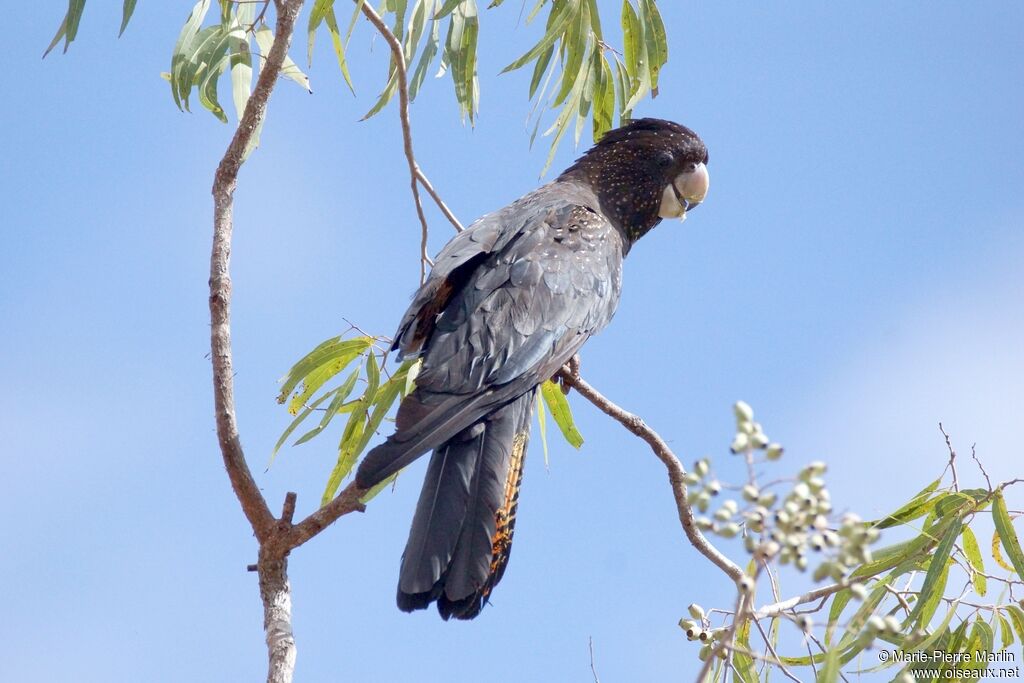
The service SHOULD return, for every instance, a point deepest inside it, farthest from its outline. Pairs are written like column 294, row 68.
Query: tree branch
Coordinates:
column 675, row 469
column 777, row 608
column 345, row 502
column 273, row 563
column 225, row 181
column 416, row 175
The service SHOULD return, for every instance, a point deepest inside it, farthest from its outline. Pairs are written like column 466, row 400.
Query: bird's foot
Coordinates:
column 572, row 369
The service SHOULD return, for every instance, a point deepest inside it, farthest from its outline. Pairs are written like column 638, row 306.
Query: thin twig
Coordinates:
column 398, row 57
column 974, row 456
column 810, row 654
column 952, row 458
column 437, row 200
column 771, row 649
column 899, row 597
column 593, row 669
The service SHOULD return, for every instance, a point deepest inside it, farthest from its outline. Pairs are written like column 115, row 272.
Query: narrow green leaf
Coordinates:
column 984, row 636
column 742, row 664
column 425, row 60
column 936, row 569
column 1017, row 617
column 574, row 45
column 829, row 673
column 637, row 59
column 539, row 67
column 973, row 553
column 593, row 72
column 61, row 30
column 918, row 506
column 561, row 124
column 398, row 27
column 604, row 105
column 126, row 15
column 1005, row 631
column 346, row 447
column 326, row 352
column 542, row 420
column 372, row 493
column 339, row 48
column 930, row 596
column 561, row 412
column 241, row 87
column 460, row 49
column 447, row 8
column 69, row 27
column 536, row 9
column 295, row 423
column 340, row 395
column 1004, row 527
column 415, row 365
column 384, row 97
column 656, row 39
column 316, row 17
column 956, row 640
column 561, row 14
column 839, row 602
column 382, row 401
column 417, row 23
column 185, row 38
column 289, row 69
column 860, row 617
column 898, row 553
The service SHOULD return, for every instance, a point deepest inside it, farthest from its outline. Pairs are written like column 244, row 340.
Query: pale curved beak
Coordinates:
column 686, row 191
column 693, row 186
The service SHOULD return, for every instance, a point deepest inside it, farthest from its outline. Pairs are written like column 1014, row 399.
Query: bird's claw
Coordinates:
column 572, row 369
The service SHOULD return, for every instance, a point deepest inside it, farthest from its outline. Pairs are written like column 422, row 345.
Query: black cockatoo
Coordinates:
column 508, row 302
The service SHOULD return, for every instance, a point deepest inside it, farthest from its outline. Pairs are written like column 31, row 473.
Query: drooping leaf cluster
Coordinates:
column 594, row 79
column 348, row 376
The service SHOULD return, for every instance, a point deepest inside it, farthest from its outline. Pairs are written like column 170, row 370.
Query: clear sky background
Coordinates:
column 855, row 274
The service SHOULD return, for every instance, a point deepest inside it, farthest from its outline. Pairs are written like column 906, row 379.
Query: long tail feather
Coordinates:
column 461, row 533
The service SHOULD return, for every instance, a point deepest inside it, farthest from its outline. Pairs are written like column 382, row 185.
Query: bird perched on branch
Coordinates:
column 508, row 302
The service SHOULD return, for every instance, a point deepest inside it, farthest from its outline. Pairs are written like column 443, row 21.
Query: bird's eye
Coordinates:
column 665, row 159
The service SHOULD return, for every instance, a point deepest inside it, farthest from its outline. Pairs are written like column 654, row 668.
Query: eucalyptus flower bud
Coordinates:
column 702, row 467
column 740, row 443
column 687, row 624
column 696, row 611
column 743, row 411
column 729, row 530
column 750, row 493
column 773, row 451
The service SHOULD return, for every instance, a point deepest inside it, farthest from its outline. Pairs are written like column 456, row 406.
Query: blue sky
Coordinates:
column 855, row 274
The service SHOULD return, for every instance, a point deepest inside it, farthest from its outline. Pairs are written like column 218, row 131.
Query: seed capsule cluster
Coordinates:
column 750, row 436
column 697, row 628
column 790, row 527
